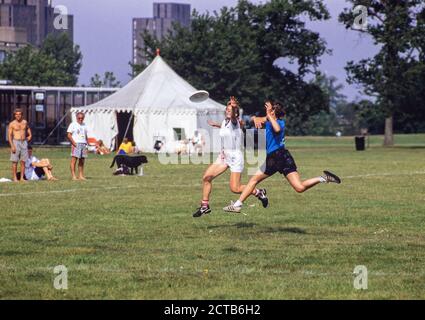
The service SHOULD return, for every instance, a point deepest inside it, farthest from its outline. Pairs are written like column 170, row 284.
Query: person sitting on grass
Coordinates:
column 126, row 147
column 36, row 170
column 101, row 148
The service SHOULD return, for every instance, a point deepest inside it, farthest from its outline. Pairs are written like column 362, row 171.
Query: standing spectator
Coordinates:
column 77, row 135
column 198, row 143
column 19, row 135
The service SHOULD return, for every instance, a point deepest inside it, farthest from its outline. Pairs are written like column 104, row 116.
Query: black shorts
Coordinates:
column 39, row 172
column 279, row 161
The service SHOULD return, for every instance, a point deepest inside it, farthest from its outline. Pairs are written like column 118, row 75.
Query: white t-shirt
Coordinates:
column 29, row 169
column 78, row 131
column 231, row 136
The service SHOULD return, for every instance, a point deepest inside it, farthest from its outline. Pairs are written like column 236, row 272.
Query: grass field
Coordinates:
column 135, row 238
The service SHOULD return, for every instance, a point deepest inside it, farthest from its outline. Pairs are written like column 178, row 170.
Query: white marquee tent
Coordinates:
column 158, row 98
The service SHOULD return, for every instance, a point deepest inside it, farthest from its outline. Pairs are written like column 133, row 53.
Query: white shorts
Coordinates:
column 234, row 160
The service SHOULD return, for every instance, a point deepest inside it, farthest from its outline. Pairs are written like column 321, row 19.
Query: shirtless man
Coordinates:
column 19, row 135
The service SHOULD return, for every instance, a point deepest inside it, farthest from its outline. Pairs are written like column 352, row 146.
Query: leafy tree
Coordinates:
column 234, row 52
column 331, row 88
column 61, row 48
column 397, row 26
column 109, row 80
column 30, row 67
column 57, row 63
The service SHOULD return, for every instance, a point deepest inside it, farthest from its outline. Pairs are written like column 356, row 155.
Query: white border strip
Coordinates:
column 63, row 191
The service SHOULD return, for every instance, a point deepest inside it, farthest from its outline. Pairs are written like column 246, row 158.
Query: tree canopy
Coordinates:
column 109, row 80
column 393, row 75
column 56, row 63
column 235, row 52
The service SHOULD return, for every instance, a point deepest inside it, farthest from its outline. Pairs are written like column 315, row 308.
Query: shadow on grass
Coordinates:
column 236, row 225
column 285, row 230
column 262, row 230
column 408, row 147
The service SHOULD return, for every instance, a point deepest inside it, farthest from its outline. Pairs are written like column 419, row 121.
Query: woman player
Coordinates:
column 278, row 158
column 231, row 156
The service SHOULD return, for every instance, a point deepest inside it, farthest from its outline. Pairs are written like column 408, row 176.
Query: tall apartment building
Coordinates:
column 25, row 22
column 164, row 15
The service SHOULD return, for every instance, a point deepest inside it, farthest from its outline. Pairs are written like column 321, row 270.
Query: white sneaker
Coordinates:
column 232, row 208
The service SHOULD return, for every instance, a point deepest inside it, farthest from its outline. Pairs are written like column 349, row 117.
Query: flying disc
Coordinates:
column 199, row 96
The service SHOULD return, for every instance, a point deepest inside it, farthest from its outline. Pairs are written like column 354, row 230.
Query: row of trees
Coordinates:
column 235, row 53
column 57, row 63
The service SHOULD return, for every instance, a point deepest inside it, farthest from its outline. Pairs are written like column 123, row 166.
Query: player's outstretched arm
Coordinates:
column 259, row 121
column 214, row 124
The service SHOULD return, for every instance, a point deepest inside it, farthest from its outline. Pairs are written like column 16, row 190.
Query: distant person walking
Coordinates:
column 77, row 135
column 19, row 135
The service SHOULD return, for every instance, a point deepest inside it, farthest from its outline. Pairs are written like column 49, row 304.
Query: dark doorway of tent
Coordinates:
column 125, row 122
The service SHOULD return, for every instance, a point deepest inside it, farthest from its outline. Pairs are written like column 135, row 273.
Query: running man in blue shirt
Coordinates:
column 278, row 158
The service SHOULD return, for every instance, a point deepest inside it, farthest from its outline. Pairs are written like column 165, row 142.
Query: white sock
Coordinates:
column 238, row 204
column 322, row 180
column 257, row 192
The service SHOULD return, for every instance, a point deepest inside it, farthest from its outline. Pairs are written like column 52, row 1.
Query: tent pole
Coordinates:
column 128, row 125
column 51, row 132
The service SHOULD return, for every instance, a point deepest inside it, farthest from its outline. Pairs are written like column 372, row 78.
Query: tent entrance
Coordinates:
column 125, row 120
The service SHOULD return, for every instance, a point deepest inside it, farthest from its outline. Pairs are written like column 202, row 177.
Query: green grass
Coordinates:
column 135, row 238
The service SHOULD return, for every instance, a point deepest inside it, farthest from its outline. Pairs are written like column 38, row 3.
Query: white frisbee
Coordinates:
column 199, row 96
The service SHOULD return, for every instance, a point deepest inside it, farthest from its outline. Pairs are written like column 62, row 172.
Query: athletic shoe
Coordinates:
column 232, row 208
column 262, row 196
column 201, row 211
column 331, row 178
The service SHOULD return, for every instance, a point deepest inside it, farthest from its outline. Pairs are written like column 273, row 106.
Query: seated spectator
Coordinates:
column 101, row 148
column 38, row 169
column 126, row 147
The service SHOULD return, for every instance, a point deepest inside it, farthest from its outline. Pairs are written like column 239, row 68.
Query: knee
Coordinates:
column 300, row 188
column 207, row 178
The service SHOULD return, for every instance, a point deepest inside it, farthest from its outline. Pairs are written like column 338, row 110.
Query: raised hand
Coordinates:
column 269, row 110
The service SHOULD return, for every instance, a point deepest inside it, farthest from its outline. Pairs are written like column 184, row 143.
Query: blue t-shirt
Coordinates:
column 275, row 141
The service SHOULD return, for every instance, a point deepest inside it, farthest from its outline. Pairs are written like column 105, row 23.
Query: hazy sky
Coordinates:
column 103, row 29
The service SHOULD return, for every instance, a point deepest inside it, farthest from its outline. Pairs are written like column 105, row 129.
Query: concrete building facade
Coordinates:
column 164, row 16
column 24, row 22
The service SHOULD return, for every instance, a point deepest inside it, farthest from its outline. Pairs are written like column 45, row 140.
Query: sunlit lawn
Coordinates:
column 134, row 237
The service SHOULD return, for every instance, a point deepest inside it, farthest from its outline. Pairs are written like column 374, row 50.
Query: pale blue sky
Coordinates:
column 103, row 30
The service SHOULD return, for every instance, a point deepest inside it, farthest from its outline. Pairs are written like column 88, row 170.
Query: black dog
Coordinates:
column 132, row 162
